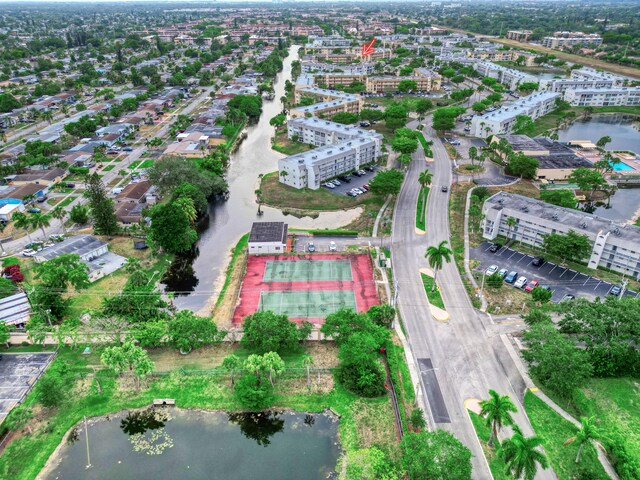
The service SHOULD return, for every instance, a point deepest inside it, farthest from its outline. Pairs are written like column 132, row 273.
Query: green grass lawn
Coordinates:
column 68, row 200
column 420, row 208
column 135, row 164
column 555, row 430
column 108, row 168
column 146, row 164
column 282, row 144
column 496, row 464
column 433, row 295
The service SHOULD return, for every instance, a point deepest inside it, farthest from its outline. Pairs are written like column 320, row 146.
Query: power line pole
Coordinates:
column 86, row 436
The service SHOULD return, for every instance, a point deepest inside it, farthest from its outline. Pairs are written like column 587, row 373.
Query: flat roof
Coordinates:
column 78, row 245
column 262, row 232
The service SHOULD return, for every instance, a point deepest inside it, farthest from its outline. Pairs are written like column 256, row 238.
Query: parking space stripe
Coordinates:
column 554, row 267
column 597, row 285
column 565, row 271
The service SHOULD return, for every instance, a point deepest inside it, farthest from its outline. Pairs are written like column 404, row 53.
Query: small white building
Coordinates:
column 7, row 211
column 268, row 237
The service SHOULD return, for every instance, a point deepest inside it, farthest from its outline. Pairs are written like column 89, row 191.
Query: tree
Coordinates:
column 369, row 464
column 56, row 275
column 395, row 115
column 171, row 228
column 38, row 220
column 23, row 222
column 444, row 118
column 8, row 102
column 253, row 394
column 4, row 334
column 423, row 105
column 102, row 211
column 278, row 121
column 150, row 334
column 511, row 222
column 570, row 245
column 128, row 358
column 495, row 280
column 187, row 331
column 345, row 118
column 497, row 412
column 405, row 145
column 424, row 179
column 561, row 197
column 387, row 182
column 528, row 87
column 231, row 363
column 417, row 419
column 407, row 85
column 602, row 142
column 522, row 166
column 437, row 256
column 436, row 455
column 382, row 314
column 307, row 361
column 586, row 435
column 541, row 294
column 168, row 172
column 555, row 360
column 588, row 180
column 79, row 214
column 51, row 390
column 60, row 214
column 479, row 107
column 265, row 331
column 522, row 455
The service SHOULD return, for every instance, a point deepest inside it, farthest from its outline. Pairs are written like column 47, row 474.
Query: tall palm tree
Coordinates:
column 60, row 214
column 3, row 135
column 522, row 455
column 585, row 436
column 437, row 256
column 23, row 222
column 473, row 154
column 497, row 412
column 47, row 115
column 424, row 179
column 511, row 222
column 39, row 220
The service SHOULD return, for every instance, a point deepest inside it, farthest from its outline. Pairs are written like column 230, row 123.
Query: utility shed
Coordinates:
column 268, row 237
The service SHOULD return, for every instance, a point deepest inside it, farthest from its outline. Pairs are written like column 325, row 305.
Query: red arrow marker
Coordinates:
column 367, row 48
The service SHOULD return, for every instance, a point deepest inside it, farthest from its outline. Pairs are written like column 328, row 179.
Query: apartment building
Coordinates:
column 503, row 120
column 493, row 55
column 569, row 39
column 341, row 149
column 614, row 246
column 312, row 67
column 390, row 84
column 519, row 35
column 603, row 97
column 331, row 41
column 507, row 76
column 330, row 102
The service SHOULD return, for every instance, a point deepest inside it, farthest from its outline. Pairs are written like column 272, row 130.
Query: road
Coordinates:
column 457, row 357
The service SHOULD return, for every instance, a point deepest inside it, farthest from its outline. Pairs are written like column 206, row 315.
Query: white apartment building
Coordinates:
column 603, row 97
column 329, row 103
column 502, row 121
column 507, row 76
column 332, row 41
column 569, row 39
column 341, row 149
column 614, row 246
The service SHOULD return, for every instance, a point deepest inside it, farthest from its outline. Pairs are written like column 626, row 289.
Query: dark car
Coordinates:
column 445, row 188
column 494, row 247
column 344, row 178
column 71, row 185
column 41, row 199
column 538, row 262
column 616, row 290
column 357, row 174
column 511, row 277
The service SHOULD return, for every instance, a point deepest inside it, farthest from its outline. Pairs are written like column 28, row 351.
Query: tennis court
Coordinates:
column 308, row 270
column 306, row 303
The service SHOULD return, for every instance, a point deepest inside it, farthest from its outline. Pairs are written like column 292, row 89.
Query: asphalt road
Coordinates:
column 561, row 280
column 457, row 358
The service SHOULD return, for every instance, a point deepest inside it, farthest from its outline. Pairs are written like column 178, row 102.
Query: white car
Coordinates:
column 491, row 270
column 333, row 247
column 28, row 253
column 521, row 282
column 336, row 183
column 329, row 185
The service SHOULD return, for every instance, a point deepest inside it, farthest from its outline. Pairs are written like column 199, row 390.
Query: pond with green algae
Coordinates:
column 173, row 444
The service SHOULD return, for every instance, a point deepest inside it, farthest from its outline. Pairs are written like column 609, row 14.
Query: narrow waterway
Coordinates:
column 198, row 284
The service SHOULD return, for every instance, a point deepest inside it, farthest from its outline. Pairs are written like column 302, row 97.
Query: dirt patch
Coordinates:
column 322, row 384
column 524, row 187
column 223, row 313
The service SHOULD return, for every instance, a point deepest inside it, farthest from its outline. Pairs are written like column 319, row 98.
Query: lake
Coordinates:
column 170, row 444
column 623, row 130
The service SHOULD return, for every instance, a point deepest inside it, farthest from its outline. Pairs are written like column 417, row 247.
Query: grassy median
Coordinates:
column 433, row 295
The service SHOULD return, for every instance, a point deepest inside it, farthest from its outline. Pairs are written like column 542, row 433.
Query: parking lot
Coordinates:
column 321, row 243
column 18, row 371
column 344, row 187
column 561, row 280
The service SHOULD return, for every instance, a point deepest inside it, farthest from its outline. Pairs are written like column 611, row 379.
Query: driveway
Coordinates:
column 18, row 372
column 562, row 280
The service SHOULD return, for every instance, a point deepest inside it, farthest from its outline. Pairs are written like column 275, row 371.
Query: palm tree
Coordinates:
column 424, row 179
column 23, row 222
column 473, row 154
column 3, row 135
column 522, row 456
column 48, row 116
column 39, row 220
column 585, row 436
column 232, row 363
column 497, row 412
column 307, row 361
column 511, row 222
column 59, row 214
column 437, row 256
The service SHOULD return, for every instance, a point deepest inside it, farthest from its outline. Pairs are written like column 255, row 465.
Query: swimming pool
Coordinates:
column 621, row 166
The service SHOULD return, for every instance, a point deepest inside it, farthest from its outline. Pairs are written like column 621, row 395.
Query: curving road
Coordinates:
column 458, row 359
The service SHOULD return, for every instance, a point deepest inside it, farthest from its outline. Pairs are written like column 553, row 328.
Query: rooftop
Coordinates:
column 268, row 232
column 78, row 245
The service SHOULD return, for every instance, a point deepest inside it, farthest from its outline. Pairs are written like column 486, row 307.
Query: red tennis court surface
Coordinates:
column 359, row 280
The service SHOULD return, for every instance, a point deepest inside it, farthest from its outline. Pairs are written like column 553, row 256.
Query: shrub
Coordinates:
column 254, row 395
column 366, row 380
column 51, row 390
column 495, row 280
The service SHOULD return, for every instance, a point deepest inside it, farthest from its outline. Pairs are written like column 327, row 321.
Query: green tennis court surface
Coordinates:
column 307, row 303
column 307, row 270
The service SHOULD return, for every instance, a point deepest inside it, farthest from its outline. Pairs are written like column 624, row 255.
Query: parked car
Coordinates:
column 503, row 272
column 616, row 290
column 531, row 285
column 41, row 199
column 362, row 172
column 28, row 253
column 127, row 149
column 33, row 210
column 357, row 173
column 494, row 247
column 71, row 185
column 345, row 179
column 491, row 270
column 365, row 188
column 568, row 297
column 311, row 247
column 538, row 262
column 521, row 282
column 328, row 185
column 333, row 247
column 369, row 168
column 511, row 277
column 336, row 183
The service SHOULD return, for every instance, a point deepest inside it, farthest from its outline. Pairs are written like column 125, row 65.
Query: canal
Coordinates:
column 197, row 282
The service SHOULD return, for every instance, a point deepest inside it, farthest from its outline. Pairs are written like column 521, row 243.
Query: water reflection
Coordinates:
column 180, row 277
column 139, row 422
column 146, row 430
column 258, row 426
